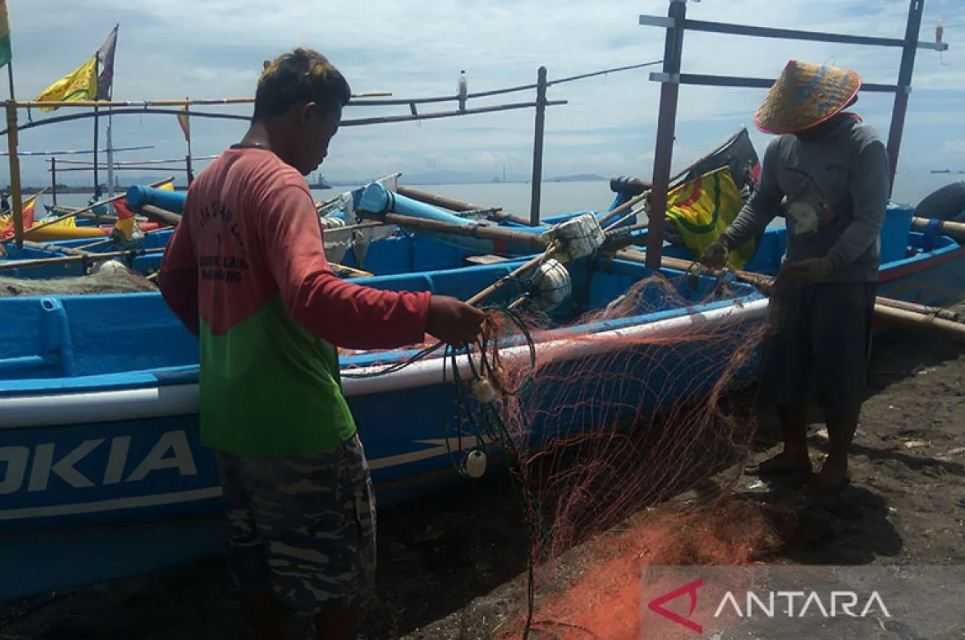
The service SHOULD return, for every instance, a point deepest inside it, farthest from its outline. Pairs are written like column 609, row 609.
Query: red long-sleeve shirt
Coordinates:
column 246, row 271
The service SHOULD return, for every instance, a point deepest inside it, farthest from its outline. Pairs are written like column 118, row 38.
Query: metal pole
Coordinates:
column 96, row 120
column 15, row 172
column 110, row 158
column 187, row 136
column 538, row 145
column 666, row 125
column 53, row 179
column 904, row 83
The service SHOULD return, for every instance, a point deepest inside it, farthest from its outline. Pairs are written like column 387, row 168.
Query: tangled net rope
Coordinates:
column 594, row 439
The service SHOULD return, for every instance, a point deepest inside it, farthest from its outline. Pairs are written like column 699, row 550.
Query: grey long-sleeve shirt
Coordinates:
column 833, row 187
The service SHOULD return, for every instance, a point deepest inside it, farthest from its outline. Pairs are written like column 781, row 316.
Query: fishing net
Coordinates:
column 109, row 277
column 604, row 426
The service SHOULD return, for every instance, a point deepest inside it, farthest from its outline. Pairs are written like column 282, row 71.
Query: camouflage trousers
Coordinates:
column 303, row 527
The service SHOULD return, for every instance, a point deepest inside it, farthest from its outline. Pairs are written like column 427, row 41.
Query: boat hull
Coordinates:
column 104, row 475
column 93, row 467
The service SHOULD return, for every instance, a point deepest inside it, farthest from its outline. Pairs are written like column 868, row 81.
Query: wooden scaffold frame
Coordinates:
column 676, row 23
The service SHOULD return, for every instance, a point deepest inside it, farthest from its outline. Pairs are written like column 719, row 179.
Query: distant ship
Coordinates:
column 319, row 182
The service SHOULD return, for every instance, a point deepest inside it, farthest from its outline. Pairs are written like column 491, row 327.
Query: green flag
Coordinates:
column 4, row 34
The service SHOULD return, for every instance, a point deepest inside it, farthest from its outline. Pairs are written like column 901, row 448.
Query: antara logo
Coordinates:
column 797, row 604
column 768, row 604
column 690, row 589
column 172, row 451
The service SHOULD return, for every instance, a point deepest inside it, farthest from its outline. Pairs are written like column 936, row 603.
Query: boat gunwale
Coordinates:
column 174, row 374
column 41, row 408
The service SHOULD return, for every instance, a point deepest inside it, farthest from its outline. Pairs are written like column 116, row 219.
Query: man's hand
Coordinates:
column 715, row 255
column 453, row 321
column 807, row 271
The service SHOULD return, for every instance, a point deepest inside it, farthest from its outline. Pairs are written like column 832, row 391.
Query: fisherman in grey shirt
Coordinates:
column 828, row 175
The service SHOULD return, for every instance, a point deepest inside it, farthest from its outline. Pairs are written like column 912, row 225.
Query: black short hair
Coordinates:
column 304, row 75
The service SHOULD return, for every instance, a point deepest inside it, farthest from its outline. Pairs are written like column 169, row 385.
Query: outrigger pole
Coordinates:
column 372, row 99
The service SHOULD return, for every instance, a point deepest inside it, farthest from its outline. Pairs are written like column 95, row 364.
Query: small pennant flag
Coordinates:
column 105, row 62
column 185, row 123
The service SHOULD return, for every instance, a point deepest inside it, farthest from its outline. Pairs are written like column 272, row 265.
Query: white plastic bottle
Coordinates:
column 462, row 90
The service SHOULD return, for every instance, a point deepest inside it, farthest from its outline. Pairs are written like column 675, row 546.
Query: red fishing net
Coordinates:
column 603, row 427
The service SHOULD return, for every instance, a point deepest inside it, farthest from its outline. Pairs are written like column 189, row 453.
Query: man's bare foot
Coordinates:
column 832, row 478
column 784, row 463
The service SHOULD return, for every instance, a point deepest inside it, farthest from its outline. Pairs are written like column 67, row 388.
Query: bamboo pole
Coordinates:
column 187, row 136
column 27, row 104
column 886, row 309
column 349, row 271
column 17, row 203
column 129, row 168
column 83, row 256
column 458, row 206
column 53, row 179
column 335, row 231
column 525, row 240
column 914, row 320
column 623, row 208
column 349, row 122
column 157, row 214
column 951, row 229
column 120, row 163
column 179, row 102
column 89, row 207
column 515, row 273
column 490, row 213
column 86, row 257
column 539, row 128
column 43, row 246
column 109, row 240
column 173, row 219
column 97, row 120
column 436, row 200
column 938, row 312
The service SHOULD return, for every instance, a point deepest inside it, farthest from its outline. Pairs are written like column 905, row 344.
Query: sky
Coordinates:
column 215, row 48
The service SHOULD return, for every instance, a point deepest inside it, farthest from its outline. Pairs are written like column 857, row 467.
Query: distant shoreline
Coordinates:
column 331, row 184
column 81, row 190
column 415, row 182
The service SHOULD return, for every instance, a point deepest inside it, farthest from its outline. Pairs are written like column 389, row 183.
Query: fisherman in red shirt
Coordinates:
column 246, row 272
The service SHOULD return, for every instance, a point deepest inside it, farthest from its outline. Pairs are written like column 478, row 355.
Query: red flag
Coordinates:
column 7, row 229
column 122, row 210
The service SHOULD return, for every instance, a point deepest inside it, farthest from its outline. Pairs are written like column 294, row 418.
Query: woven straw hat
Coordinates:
column 804, row 96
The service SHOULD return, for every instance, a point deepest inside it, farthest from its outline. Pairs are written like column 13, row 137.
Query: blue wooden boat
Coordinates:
column 345, row 246
column 921, row 267
column 101, row 470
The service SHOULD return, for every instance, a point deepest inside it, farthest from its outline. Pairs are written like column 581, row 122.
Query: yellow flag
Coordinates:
column 701, row 210
column 124, row 227
column 185, row 124
column 80, row 84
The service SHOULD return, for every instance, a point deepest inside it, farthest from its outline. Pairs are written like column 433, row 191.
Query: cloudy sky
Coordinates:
column 214, row 48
